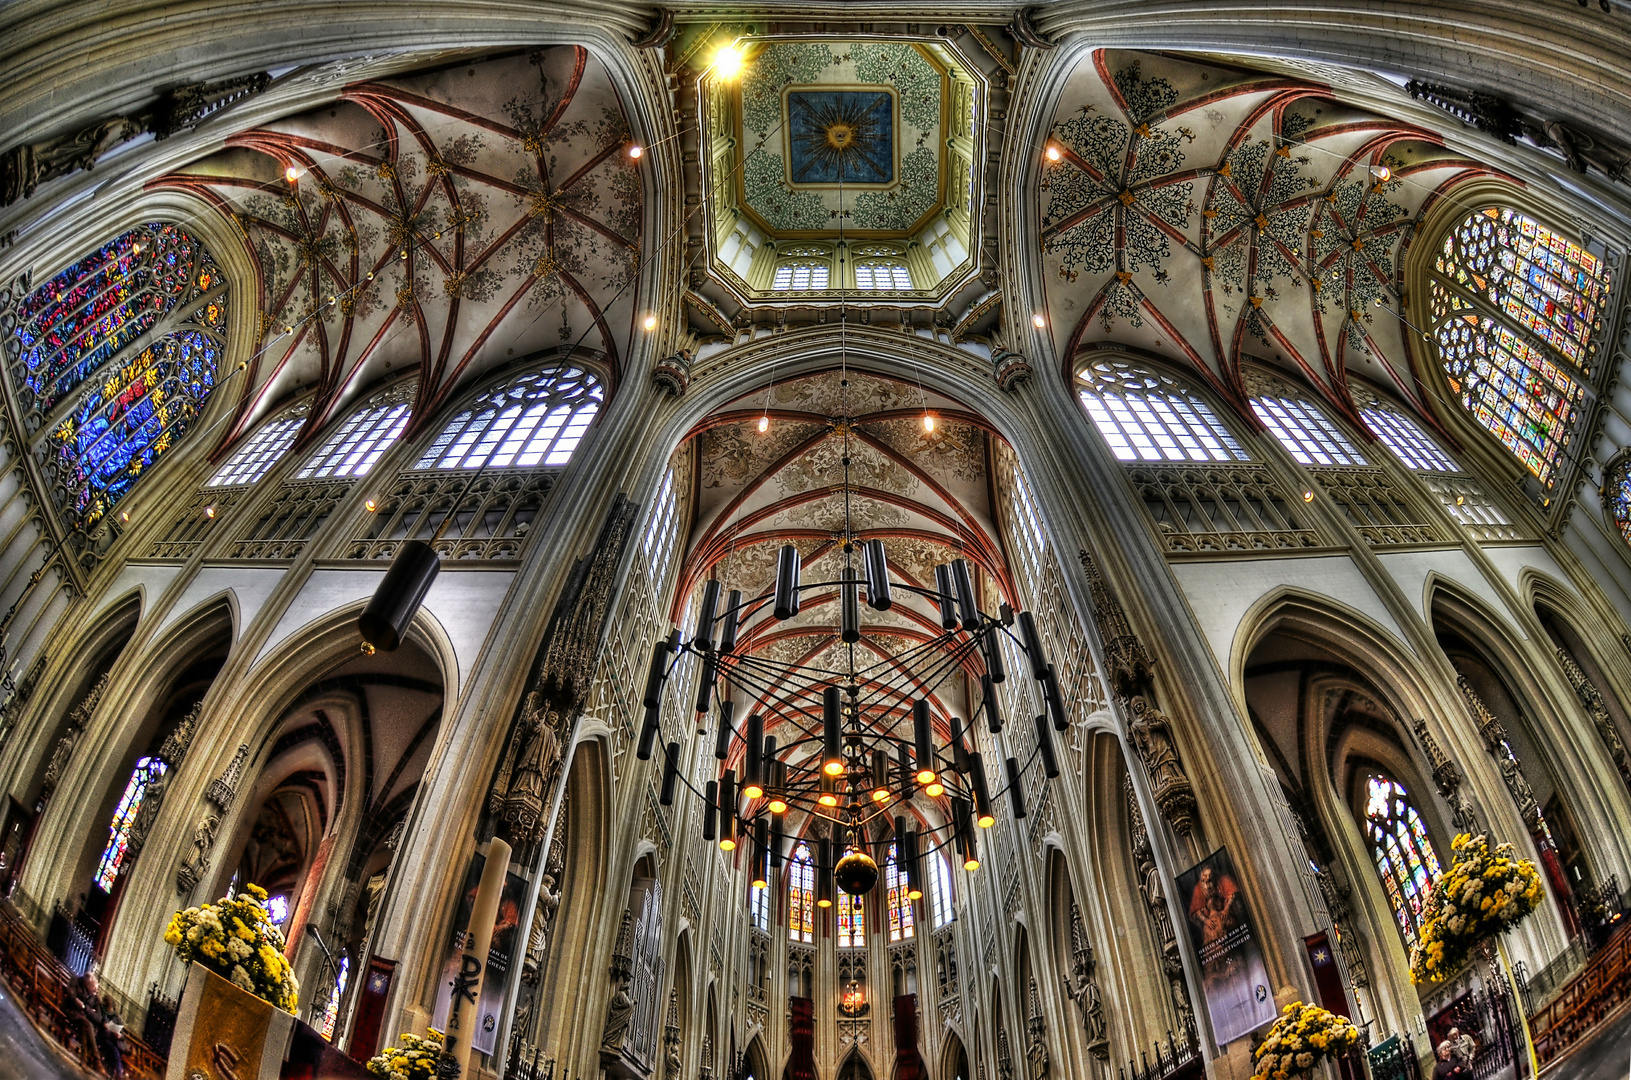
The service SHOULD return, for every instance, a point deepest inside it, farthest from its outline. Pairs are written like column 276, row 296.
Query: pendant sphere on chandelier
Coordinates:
column 856, row 873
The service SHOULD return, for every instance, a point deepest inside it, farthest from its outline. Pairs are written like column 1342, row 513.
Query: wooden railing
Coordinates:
column 1598, row 990
column 41, row 983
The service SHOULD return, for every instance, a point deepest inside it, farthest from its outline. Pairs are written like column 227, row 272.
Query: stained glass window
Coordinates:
column 331, row 1011
column 255, row 458
column 148, row 769
column 1517, row 311
column 851, row 921
column 1409, row 443
column 801, row 895
column 535, row 419
column 1146, row 416
column 1405, row 859
column 358, row 443
column 759, row 908
column 116, row 355
column 278, row 908
column 1307, row 433
column 901, row 921
column 1617, row 496
column 940, row 890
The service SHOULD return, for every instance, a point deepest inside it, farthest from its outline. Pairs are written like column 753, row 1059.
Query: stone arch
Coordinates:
column 1597, row 656
column 954, row 1064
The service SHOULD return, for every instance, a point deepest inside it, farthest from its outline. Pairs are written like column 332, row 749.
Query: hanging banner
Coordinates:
column 1327, row 976
column 1234, row 979
column 506, row 936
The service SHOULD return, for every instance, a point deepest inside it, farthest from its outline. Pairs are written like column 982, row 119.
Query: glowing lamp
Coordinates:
column 370, row 505
column 727, row 844
column 764, row 424
column 759, row 881
column 914, row 894
column 1382, row 173
column 1038, row 321
column 291, row 174
column 1052, row 152
column 823, row 903
column 209, row 511
column 753, row 791
column 1308, row 496
column 833, row 768
column 636, row 150
column 880, row 795
column 971, row 864
column 925, row 776
column 728, row 62
column 828, row 799
column 928, row 422
column 934, row 789
column 651, row 322
column 778, row 805
column 985, row 820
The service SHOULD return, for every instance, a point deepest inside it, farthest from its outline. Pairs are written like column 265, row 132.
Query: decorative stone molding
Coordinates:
column 1348, row 936
column 1010, row 368
column 222, row 791
column 172, row 752
column 1597, row 710
column 1498, row 117
column 1150, row 885
column 672, row 373
column 1026, row 33
column 1495, row 741
column 224, row 788
column 1447, row 776
column 24, row 167
column 661, row 32
column 1127, row 663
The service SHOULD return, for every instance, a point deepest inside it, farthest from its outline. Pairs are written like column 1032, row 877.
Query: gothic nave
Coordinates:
column 913, row 541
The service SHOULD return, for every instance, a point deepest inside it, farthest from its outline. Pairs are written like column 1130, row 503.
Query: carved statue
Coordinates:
column 1500, row 118
column 146, row 815
column 1036, row 1027
column 671, row 1038
column 1079, row 984
column 532, row 767
column 1500, row 748
column 78, row 720
column 1127, row 664
column 1155, row 899
column 1151, row 734
column 1597, row 710
column 620, row 1010
column 543, row 917
column 197, row 865
column 1448, row 778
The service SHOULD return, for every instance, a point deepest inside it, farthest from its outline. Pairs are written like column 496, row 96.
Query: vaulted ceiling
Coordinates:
column 927, row 494
column 1211, row 216
column 444, row 221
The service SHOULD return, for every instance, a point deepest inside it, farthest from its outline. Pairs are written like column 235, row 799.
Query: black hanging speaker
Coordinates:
column 399, row 595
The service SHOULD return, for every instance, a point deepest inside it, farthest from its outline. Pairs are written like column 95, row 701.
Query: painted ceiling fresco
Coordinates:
column 866, row 112
column 1211, row 216
column 447, row 221
column 925, row 494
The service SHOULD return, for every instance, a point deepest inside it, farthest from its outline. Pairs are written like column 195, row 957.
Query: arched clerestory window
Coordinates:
column 902, row 922
column 940, row 890
column 759, row 909
column 355, row 447
column 1405, row 859
column 1302, row 427
column 533, row 419
column 1517, row 310
column 851, row 921
column 1147, row 416
column 113, row 358
column 1617, row 493
column 801, row 895
column 255, row 457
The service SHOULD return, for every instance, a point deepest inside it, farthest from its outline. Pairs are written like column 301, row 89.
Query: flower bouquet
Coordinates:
column 415, row 1059
column 236, row 938
column 1484, row 893
column 1304, row 1036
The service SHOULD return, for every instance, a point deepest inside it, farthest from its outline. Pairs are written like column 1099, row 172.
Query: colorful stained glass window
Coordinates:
column 1405, row 859
column 116, row 355
column 331, row 1011
column 851, row 921
column 801, row 895
column 1146, row 416
column 535, row 419
column 148, row 769
column 940, row 890
column 278, row 908
column 1617, row 496
column 901, row 921
column 1517, row 313
column 759, row 908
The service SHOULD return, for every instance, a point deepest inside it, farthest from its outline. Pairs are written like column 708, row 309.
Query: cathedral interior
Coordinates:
column 945, row 541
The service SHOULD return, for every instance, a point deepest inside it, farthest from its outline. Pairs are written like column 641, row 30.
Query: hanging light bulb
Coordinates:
column 728, row 62
column 636, row 151
column 928, row 422
column 1038, row 321
column 291, row 174
column 209, row 511
column 764, row 423
column 651, row 322
column 1053, row 153
column 1382, row 173
column 934, row 789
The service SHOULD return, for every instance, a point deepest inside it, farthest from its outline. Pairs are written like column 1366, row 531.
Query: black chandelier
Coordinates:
column 859, row 753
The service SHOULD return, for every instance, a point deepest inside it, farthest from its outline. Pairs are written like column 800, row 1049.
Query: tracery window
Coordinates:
column 802, row 268
column 1303, row 429
column 262, row 450
column 1146, row 416
column 331, row 1011
column 1617, row 494
column 148, row 770
column 1405, row 859
column 357, row 444
column 658, row 543
column 879, row 268
column 535, row 419
column 801, row 895
column 851, row 921
column 1026, row 527
column 759, row 909
column 940, row 890
column 112, row 411
column 1409, row 443
column 901, row 921
column 1516, row 312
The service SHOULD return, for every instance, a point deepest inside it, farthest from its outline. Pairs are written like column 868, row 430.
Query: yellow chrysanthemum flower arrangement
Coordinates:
column 415, row 1059
column 1304, row 1036
column 1484, row 893
column 236, row 938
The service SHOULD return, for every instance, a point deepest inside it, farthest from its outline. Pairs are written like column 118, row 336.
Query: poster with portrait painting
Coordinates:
column 1234, row 979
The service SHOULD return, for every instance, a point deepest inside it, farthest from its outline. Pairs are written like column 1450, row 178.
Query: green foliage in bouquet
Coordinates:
column 1304, row 1036
column 236, row 938
column 415, row 1059
column 1483, row 894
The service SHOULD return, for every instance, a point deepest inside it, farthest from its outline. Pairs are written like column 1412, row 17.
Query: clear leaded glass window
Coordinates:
column 1517, row 311
column 148, row 770
column 881, row 268
column 759, row 909
column 801, row 269
column 851, row 921
column 116, row 355
column 658, row 542
column 1405, row 859
column 1303, row 429
column 939, row 890
column 1409, row 443
column 901, row 921
column 535, row 419
column 801, row 895
column 1146, row 416
column 262, row 450
column 356, row 445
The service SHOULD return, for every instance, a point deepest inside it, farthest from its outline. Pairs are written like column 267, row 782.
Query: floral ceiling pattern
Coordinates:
column 1211, row 216
column 447, row 221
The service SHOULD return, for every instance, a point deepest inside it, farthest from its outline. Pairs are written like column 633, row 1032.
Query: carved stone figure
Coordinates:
column 174, row 749
column 1036, row 1029
column 1597, row 710
column 1500, row 748
column 146, row 815
column 1127, row 665
column 1447, row 776
column 1500, row 118
column 1151, row 734
column 620, row 1009
column 197, row 865
column 671, row 1038
column 543, row 918
column 1079, row 984
column 78, row 720
column 1155, row 900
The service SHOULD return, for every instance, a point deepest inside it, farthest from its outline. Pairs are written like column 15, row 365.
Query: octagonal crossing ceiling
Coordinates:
column 447, row 221
column 1213, row 216
column 927, row 495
